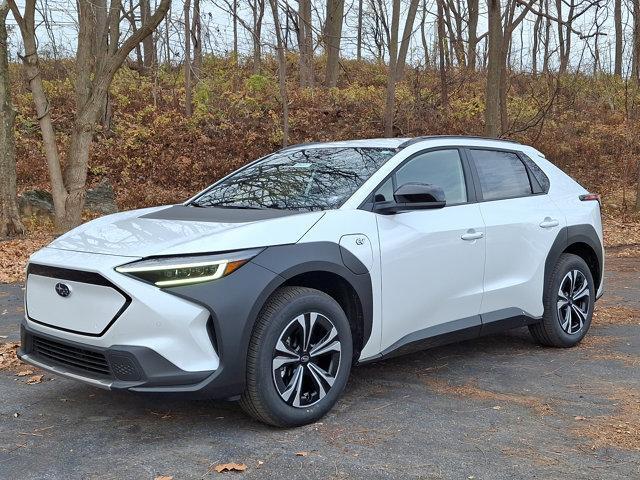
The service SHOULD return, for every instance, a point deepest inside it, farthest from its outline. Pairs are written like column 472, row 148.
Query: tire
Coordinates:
column 557, row 329
column 272, row 394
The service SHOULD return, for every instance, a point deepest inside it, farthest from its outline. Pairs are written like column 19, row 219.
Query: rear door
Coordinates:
column 521, row 224
column 432, row 261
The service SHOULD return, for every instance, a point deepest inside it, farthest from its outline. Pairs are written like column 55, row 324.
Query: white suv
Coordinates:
column 270, row 284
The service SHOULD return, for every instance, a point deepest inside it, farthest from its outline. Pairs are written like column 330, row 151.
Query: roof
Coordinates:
column 366, row 142
column 390, row 142
column 411, row 141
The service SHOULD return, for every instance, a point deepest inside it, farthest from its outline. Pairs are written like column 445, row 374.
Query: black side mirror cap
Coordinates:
column 413, row 196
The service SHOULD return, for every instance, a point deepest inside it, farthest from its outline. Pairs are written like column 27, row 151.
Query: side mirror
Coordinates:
column 413, row 196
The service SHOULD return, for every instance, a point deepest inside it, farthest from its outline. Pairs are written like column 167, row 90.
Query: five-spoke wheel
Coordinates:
column 569, row 296
column 299, row 357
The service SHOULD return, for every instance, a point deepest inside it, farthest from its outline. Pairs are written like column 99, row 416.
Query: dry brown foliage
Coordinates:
column 620, row 429
column 540, row 406
column 605, row 314
column 8, row 358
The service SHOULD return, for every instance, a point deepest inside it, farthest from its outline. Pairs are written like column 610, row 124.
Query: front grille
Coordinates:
column 71, row 357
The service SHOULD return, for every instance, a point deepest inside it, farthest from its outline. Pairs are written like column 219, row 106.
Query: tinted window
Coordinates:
column 442, row 168
column 502, row 174
column 541, row 177
column 385, row 192
column 310, row 179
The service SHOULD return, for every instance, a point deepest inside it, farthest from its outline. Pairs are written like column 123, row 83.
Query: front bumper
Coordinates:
column 188, row 339
column 122, row 367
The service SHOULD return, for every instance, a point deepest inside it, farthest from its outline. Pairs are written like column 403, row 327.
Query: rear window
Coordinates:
column 502, row 174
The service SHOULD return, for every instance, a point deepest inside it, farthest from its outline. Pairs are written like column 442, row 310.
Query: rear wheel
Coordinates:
column 568, row 304
column 299, row 358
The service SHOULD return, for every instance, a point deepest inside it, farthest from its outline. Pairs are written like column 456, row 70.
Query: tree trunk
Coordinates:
column 474, row 10
column 359, row 35
column 282, row 74
column 444, row 92
column 617, row 20
column 148, row 44
column 258, row 13
column 188, row 87
column 235, row 32
column 196, row 39
column 547, row 39
column 536, row 43
column 492, row 116
column 390, row 105
column 332, row 36
column 10, row 223
column 305, row 41
column 635, row 62
column 406, row 39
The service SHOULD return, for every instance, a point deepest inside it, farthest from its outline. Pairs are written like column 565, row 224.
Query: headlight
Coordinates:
column 174, row 271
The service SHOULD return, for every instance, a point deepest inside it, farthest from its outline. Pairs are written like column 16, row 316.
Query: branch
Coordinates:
column 146, row 29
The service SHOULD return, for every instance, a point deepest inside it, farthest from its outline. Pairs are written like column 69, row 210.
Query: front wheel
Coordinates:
column 568, row 304
column 299, row 358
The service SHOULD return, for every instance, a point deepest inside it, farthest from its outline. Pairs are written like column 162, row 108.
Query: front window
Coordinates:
column 308, row 179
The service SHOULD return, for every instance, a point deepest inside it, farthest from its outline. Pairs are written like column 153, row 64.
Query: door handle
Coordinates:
column 549, row 222
column 472, row 235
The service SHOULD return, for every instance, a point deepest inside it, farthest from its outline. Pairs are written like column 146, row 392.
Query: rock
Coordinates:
column 39, row 203
column 101, row 199
column 36, row 203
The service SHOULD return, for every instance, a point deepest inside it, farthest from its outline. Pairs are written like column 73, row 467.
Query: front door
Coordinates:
column 432, row 261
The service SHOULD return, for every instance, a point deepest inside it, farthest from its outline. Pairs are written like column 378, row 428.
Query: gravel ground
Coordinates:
column 495, row 408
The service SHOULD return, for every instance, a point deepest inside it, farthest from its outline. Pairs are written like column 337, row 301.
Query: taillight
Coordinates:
column 587, row 197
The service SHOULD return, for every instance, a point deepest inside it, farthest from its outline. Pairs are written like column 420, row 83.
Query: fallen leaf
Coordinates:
column 35, row 379
column 164, row 477
column 230, row 467
column 579, row 418
column 302, row 454
column 24, row 373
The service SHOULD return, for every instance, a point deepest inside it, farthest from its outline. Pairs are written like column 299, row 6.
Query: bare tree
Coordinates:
column 442, row 42
column 397, row 56
column 94, row 74
column 196, row 39
column 617, row 20
column 188, row 68
column 332, row 36
column 305, row 43
column 282, row 73
column 359, row 35
column 635, row 61
column 10, row 223
column 148, row 44
column 472, row 32
column 499, row 41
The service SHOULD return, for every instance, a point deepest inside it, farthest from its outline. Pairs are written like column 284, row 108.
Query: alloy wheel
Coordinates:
column 306, row 359
column 574, row 300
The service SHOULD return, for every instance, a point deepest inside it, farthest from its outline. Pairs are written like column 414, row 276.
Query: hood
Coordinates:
column 178, row 229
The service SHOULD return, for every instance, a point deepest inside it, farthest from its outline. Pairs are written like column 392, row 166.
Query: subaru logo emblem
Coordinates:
column 63, row 290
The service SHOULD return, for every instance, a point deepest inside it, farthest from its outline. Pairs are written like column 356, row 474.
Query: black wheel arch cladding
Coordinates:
column 574, row 239
column 235, row 301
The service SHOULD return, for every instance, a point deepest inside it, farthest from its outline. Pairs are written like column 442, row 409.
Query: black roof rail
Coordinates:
column 467, row 137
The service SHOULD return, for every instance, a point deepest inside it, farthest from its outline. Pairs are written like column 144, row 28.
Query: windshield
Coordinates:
column 308, row 179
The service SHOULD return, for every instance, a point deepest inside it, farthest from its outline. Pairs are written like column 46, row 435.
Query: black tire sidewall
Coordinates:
column 315, row 301
column 567, row 263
